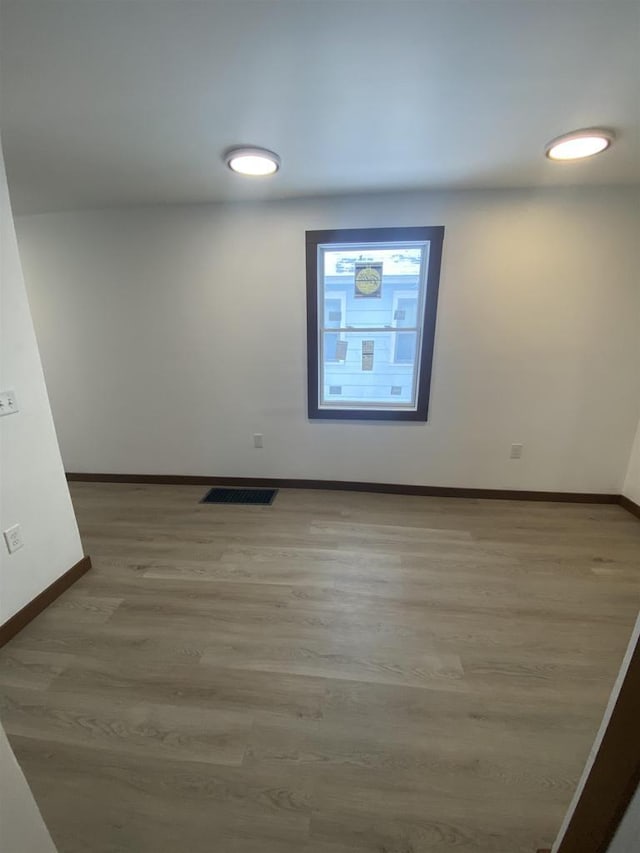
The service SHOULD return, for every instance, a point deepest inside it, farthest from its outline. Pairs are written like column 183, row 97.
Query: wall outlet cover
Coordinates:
column 13, row 538
column 8, row 403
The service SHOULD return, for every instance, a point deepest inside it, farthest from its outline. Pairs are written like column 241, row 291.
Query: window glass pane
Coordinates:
column 365, row 372
column 366, row 277
column 366, row 292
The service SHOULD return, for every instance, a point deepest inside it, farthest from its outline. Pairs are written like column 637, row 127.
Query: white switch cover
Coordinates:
column 8, row 403
column 257, row 439
column 13, row 538
column 516, row 451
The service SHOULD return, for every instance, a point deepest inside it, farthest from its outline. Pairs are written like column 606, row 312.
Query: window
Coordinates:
column 371, row 315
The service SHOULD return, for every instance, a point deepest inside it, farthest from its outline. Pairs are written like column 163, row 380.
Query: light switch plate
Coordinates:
column 8, row 403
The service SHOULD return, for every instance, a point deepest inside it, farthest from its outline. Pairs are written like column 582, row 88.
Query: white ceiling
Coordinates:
column 132, row 101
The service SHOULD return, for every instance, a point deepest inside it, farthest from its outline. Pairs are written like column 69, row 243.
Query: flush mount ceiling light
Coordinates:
column 257, row 162
column 579, row 144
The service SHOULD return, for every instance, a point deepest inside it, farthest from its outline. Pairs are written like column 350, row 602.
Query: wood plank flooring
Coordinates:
column 336, row 673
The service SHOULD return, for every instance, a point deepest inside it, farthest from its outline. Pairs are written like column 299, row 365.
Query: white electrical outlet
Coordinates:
column 13, row 538
column 8, row 403
column 257, row 439
column 516, row 451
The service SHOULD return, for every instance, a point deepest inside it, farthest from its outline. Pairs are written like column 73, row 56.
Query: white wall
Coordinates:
column 22, row 829
column 632, row 480
column 33, row 490
column 170, row 335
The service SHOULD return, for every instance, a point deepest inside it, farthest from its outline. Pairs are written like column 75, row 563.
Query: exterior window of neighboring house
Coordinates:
column 335, row 311
column 405, row 311
column 371, row 315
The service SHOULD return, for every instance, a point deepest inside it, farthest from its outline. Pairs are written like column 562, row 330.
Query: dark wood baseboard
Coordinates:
column 42, row 601
column 348, row 486
column 630, row 505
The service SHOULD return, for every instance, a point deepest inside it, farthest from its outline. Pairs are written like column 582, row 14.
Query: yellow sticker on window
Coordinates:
column 368, row 279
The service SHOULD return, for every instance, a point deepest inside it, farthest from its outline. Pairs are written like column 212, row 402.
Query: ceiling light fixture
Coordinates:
column 253, row 161
column 579, row 144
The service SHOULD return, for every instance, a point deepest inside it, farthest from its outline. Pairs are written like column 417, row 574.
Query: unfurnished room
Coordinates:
column 320, row 426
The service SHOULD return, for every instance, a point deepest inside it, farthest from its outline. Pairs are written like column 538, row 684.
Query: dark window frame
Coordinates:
column 435, row 236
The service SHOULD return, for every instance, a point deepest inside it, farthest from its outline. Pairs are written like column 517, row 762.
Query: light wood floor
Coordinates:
column 336, row 673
